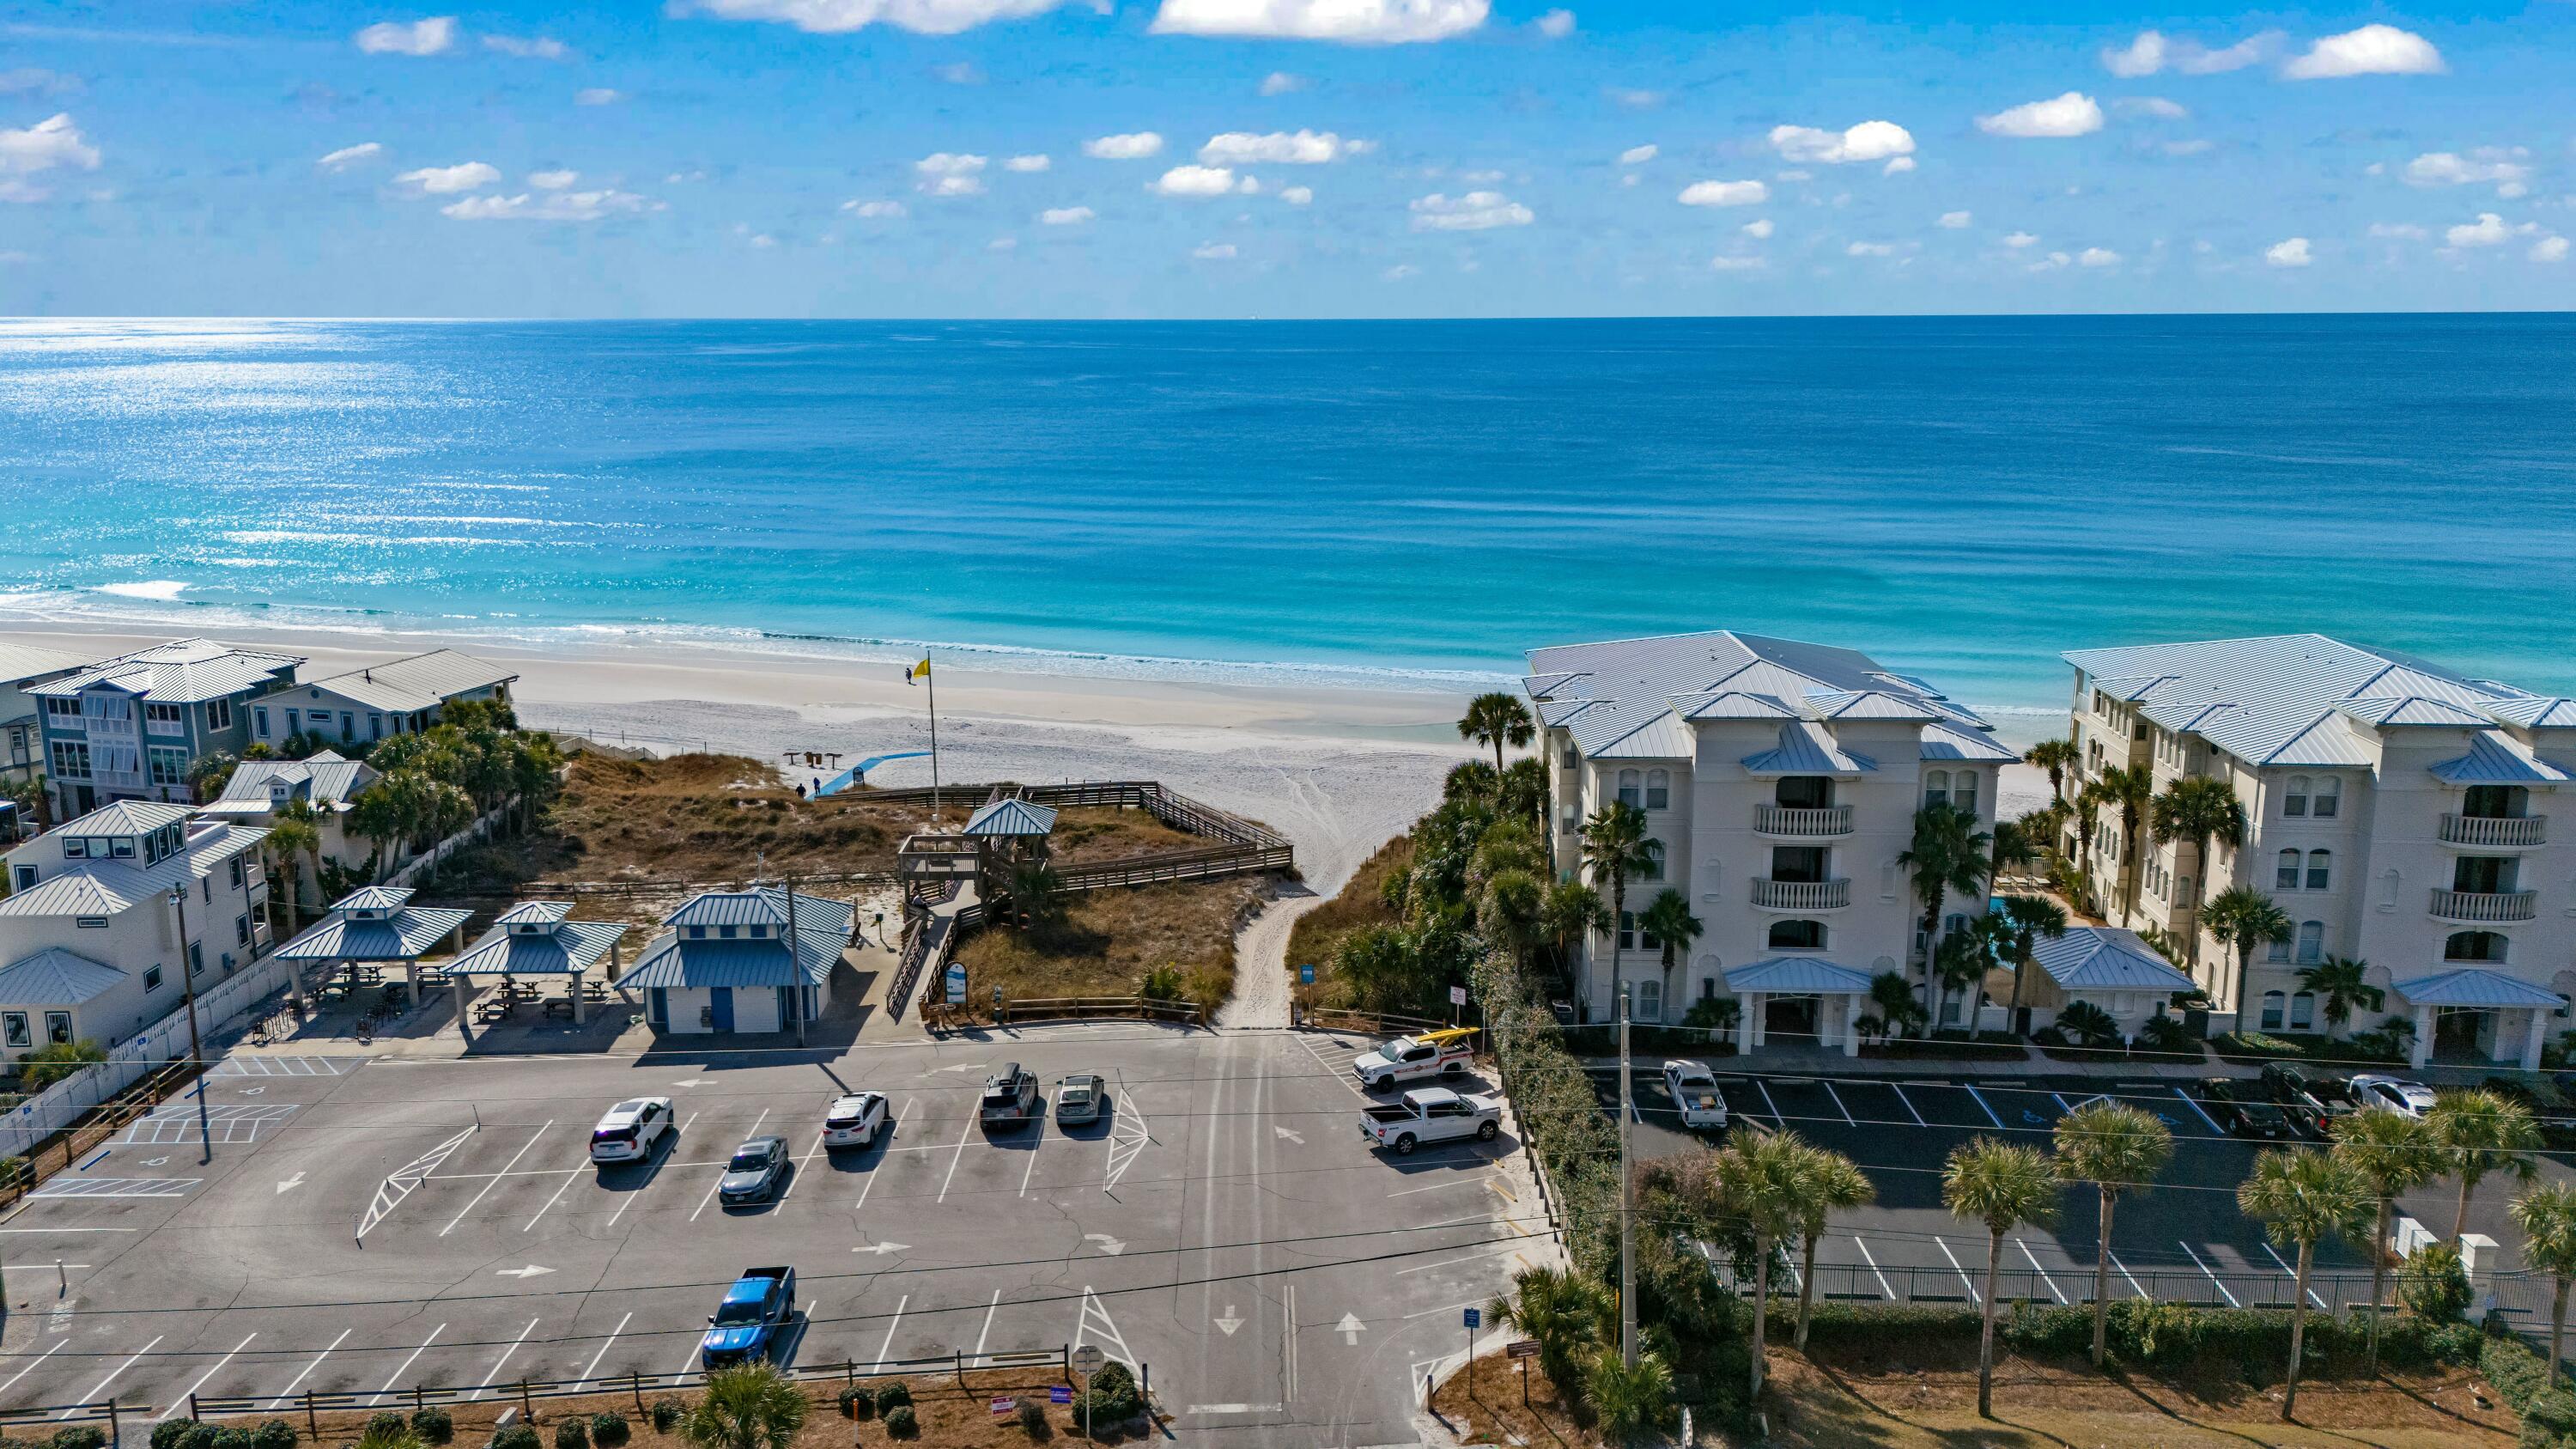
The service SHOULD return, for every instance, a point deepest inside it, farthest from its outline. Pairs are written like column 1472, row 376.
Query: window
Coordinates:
column 174, row 716
column 23, row 877
column 90, row 923
column 294, row 721
column 375, row 726
column 63, row 707
column 724, row 932
column 697, row 933
column 13, row 1024
column 1936, row 788
column 151, row 979
column 169, row 764
column 759, row 932
column 2271, row 1011
column 1649, row 1004
column 2320, row 869
column 2312, row 942
column 2303, row 1011
column 259, row 721
column 2286, row 876
column 1654, row 861
column 241, row 930
column 1708, row 991
column 1963, row 792
column 196, row 957
column 2329, row 797
column 76, row 847
column 1658, row 790
column 2474, row 946
column 1630, row 791
column 1573, row 757
column 58, row 1027
column 120, row 847
column 71, row 759
column 348, row 724
column 237, row 875
column 1627, row 930
column 1797, row 936
column 219, row 714
column 2294, row 797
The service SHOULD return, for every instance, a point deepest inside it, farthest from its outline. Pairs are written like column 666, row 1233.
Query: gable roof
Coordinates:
column 415, row 681
column 1806, row 748
column 1947, row 742
column 125, row 817
column 374, row 898
column 562, row 949
column 183, row 671
column 322, row 779
column 2536, row 712
column 56, row 977
column 105, row 887
column 2473, row 986
column 2496, row 758
column 1796, row 974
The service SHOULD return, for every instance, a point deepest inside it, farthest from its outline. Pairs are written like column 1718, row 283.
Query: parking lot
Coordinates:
column 371, row 1224
column 2184, row 1240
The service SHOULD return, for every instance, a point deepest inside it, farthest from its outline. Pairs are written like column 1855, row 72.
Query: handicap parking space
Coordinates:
column 2023, row 1109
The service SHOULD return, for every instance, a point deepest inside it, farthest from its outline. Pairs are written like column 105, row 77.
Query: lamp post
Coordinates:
column 188, row 986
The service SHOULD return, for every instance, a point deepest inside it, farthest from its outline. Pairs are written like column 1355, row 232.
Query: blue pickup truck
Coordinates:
column 755, row 1308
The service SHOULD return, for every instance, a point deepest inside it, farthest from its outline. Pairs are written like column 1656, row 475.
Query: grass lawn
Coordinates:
column 1111, row 938
column 1356, row 907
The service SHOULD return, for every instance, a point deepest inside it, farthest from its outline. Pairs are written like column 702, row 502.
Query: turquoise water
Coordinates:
column 1404, row 502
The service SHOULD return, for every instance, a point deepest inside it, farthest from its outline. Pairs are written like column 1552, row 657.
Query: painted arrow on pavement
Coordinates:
column 290, row 1184
column 881, row 1249
column 530, row 1271
column 1350, row 1328
column 1228, row 1324
column 1297, row 1137
column 1112, row 1246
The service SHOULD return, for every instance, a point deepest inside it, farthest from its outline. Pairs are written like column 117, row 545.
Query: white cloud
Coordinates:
column 444, row 180
column 51, row 142
column 2155, row 106
column 1897, row 166
column 1735, row 264
column 1195, row 181
column 2488, row 230
column 2052, row 262
column 2140, row 57
column 1002, row 244
column 1555, row 24
column 28, row 80
column 1633, row 98
column 553, row 206
column 950, row 186
column 682, row 178
column 1301, row 148
column 1475, row 211
column 1759, row 230
column 2020, row 240
column 835, row 17
column 1868, row 141
column 2549, row 249
column 552, row 180
column 2192, row 147
column 2398, row 231
column 1133, row 146
column 2371, row 50
column 351, row 155
column 1065, row 216
column 1725, row 193
column 958, row 73
column 2152, row 52
column 1355, row 22
column 2098, row 257
column 1480, row 178
column 2291, row 253
column 597, row 96
column 1280, row 83
column 945, row 173
column 1027, row 163
column 2511, row 177
column 1213, row 251
column 2072, row 114
column 2252, row 50
column 421, row 37
column 1297, row 195
column 1400, row 271
column 875, row 210
column 1956, row 220
column 1870, row 249
column 532, row 47
column 1638, row 155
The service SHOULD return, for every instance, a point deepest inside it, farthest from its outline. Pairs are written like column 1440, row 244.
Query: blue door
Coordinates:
column 658, row 1008
column 720, row 1007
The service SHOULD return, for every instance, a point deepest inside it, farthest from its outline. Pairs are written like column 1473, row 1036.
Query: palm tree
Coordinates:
column 2027, row 919
column 1034, row 896
column 1834, row 1183
column 2004, row 1187
column 1894, row 998
column 1565, row 1311
column 2088, row 803
column 384, row 813
column 1496, row 719
column 1948, row 853
column 2056, row 757
column 2131, row 790
column 2200, row 810
column 2242, row 917
column 1509, row 912
column 2339, row 984
column 1668, row 919
column 1765, row 1180
column 2016, row 843
column 1572, row 912
column 2302, row 1196
column 1470, row 780
column 1523, row 791
column 291, row 839
column 2547, row 1217
column 2482, row 1133
column 748, row 1406
column 2394, row 1154
column 1960, row 964
column 1615, row 845
column 1626, row 1401
column 2115, row 1147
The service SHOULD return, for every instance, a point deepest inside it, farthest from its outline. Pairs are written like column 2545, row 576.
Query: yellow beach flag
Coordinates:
column 917, row 673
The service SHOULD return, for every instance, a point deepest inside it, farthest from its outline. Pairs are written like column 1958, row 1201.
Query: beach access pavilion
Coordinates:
column 374, row 926
column 537, row 940
column 757, row 960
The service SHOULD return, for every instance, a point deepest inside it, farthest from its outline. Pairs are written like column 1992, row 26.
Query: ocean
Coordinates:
column 1403, row 504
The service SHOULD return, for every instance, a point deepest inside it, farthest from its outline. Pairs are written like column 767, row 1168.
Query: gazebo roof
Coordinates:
column 570, row 947
column 406, row 934
column 1012, row 818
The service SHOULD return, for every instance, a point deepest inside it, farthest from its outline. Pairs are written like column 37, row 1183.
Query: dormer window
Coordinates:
column 75, row 848
column 697, row 933
column 121, row 847
column 724, row 933
column 759, row 933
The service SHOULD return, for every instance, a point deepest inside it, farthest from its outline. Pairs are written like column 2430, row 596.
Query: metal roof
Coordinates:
column 1806, row 748
column 2390, row 711
column 2474, row 986
column 22, row 662
column 1945, row 741
column 56, row 977
column 2497, row 758
column 125, row 817
column 414, row 682
column 1661, row 736
column 406, row 935
column 674, row 959
column 1796, row 975
column 1875, row 704
column 183, row 671
column 1730, row 704
column 671, row 962
column 571, row 946
column 105, row 887
column 1011, row 818
column 2537, row 712
column 373, row 898
column 540, row 913
column 324, row 779
column 2106, row 958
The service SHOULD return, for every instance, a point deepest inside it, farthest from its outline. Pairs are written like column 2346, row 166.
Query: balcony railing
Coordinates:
column 1802, row 822
column 2484, row 906
column 1801, row 895
column 2494, row 830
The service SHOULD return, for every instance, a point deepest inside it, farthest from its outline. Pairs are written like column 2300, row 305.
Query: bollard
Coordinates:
column 527, row 1411
column 63, row 1279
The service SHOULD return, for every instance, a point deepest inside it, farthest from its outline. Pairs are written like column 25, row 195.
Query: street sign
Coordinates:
column 956, row 983
column 1088, row 1359
column 1306, row 974
column 1521, row 1348
column 1005, row 1404
column 1475, row 1318
column 1457, row 996
column 1059, row 1393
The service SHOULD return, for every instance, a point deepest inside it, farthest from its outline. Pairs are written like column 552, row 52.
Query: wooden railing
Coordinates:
column 1085, row 1007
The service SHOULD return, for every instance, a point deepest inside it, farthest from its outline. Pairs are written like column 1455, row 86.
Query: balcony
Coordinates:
column 2495, row 831
column 2483, row 907
column 1801, row 895
column 1802, row 823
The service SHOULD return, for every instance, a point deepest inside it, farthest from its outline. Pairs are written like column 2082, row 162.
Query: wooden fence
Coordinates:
column 1083, row 1008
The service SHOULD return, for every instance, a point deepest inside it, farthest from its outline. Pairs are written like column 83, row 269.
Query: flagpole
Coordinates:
column 933, row 676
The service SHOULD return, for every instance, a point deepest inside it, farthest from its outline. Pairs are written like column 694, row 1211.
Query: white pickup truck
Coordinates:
column 1431, row 1114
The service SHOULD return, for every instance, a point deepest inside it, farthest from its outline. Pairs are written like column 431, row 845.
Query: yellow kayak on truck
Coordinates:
column 1443, row 1053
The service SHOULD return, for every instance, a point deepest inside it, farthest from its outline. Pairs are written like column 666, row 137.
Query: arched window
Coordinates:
column 1936, row 788
column 2329, row 798
column 2286, row 876
column 2303, row 1011
column 1797, row 936
column 2294, row 796
column 2312, row 942
column 2320, row 870
column 1963, row 792
column 1658, row 789
column 1628, row 791
column 2277, row 951
column 2474, row 946
column 2272, row 1011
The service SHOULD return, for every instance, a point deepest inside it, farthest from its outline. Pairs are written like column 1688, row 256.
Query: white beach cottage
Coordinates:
column 757, row 960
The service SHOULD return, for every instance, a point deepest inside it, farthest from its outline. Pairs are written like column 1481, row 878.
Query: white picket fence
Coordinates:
column 60, row 1105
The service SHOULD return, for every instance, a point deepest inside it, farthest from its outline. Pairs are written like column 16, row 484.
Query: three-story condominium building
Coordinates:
column 130, row 727
column 1779, row 782
column 2398, row 813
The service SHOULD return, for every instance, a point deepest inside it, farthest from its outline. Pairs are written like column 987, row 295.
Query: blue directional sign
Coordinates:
column 1475, row 1318
column 1306, row 974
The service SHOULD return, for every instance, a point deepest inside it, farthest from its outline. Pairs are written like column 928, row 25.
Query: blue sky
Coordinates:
column 1231, row 158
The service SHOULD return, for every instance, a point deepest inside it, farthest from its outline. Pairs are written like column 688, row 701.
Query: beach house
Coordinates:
column 362, row 706
column 22, row 732
column 1779, row 781
column 90, row 935
column 2397, row 813
column 758, row 960
column 130, row 728
column 326, row 781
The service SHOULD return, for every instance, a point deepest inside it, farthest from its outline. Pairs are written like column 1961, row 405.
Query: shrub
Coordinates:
column 857, row 1401
column 1163, row 983
column 1033, row 1419
column 893, row 1396
column 273, row 1434
column 172, row 1433
column 573, row 1433
column 230, row 1438
column 663, row 1412
column 608, row 1429
column 2433, row 1285
column 1110, row 1400
column 899, row 1422
column 433, row 1425
column 386, row 1424
column 80, row 1436
column 522, row 1435
column 2166, row 1034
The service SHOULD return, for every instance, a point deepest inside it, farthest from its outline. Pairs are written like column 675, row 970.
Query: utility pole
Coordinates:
column 1627, row 1199
column 196, row 1054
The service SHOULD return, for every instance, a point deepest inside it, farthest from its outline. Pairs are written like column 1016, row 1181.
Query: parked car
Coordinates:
column 758, row 1166
column 1444, row 1053
column 855, row 1120
column 2312, row 1104
column 2237, row 1107
column 1010, row 1098
column 631, row 1130
column 1082, row 1097
column 1431, row 1114
column 1694, row 1090
column 760, row 1302
column 2371, row 1089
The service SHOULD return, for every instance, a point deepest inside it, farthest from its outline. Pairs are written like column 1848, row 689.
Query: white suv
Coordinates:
column 631, row 1130
column 854, row 1120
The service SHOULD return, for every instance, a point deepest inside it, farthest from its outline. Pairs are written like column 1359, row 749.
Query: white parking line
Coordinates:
column 2043, row 1272
column 1908, row 1103
column 190, row 1392
column 953, row 1161
column 885, row 1350
column 1867, row 1257
column 2197, row 1112
column 569, row 1175
column 1031, row 1172
column 797, row 1176
column 2293, row 1273
column 1989, row 1107
column 485, row 1387
column 400, row 1369
column 1288, row 1340
column 2212, row 1277
column 495, row 1182
column 280, row 1401
column 2062, row 1104
column 720, row 1177
column 1970, row 1283
column 639, row 1187
column 1437, row 1186
column 1776, row 1119
column 2125, row 1273
column 989, row 1310
column 31, row 1365
column 96, row 1394
column 593, row 1366
column 1848, row 1119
